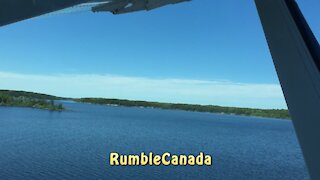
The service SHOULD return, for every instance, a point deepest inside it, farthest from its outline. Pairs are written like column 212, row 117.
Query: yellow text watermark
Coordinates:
column 143, row 159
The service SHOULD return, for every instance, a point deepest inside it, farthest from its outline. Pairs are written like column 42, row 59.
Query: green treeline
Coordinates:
column 43, row 101
column 27, row 99
column 271, row 113
column 30, row 95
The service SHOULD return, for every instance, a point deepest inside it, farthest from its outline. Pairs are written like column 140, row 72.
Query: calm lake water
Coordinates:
column 38, row 144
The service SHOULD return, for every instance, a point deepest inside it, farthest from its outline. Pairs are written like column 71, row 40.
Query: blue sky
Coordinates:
column 178, row 53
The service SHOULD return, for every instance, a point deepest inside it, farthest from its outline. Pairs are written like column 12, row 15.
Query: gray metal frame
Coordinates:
column 295, row 52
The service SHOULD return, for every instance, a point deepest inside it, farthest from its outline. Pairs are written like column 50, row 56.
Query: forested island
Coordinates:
column 29, row 99
column 43, row 101
column 271, row 113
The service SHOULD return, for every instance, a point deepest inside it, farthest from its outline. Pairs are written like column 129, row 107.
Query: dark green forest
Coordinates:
column 43, row 101
column 28, row 99
column 271, row 113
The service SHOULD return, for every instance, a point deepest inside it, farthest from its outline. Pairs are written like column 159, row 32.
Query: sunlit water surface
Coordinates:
column 38, row 144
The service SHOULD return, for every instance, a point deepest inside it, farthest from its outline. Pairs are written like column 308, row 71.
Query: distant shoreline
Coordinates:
column 218, row 113
column 28, row 99
column 267, row 113
column 43, row 101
